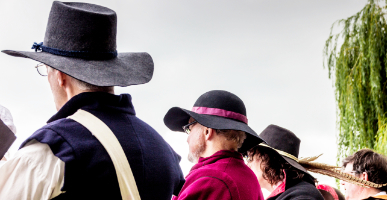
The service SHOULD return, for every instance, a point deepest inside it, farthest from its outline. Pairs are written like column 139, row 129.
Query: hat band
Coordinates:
column 283, row 153
column 220, row 112
column 76, row 54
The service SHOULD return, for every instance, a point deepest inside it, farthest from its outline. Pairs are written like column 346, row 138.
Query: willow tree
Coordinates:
column 356, row 59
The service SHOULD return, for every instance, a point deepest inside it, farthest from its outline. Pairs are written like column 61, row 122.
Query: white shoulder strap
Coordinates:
column 106, row 137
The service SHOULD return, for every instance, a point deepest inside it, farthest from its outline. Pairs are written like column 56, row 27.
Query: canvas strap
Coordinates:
column 106, row 137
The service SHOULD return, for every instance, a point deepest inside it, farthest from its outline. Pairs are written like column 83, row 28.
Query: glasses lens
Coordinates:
column 186, row 127
column 42, row 69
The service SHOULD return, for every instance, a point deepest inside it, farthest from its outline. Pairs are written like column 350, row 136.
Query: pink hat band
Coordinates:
column 220, row 112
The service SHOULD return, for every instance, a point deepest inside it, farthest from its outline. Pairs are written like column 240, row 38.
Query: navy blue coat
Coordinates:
column 89, row 171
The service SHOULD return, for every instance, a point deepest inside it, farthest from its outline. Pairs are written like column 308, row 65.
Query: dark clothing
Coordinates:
column 222, row 176
column 89, row 171
column 297, row 189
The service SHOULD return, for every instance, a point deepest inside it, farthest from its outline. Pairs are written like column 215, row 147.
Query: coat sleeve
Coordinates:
column 34, row 173
column 209, row 188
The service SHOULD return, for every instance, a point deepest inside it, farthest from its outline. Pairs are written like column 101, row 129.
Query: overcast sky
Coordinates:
column 269, row 53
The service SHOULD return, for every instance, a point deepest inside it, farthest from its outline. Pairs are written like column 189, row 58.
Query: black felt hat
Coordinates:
column 80, row 41
column 284, row 142
column 215, row 109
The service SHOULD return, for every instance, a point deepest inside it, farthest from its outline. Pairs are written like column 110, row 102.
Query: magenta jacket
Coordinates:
column 222, row 176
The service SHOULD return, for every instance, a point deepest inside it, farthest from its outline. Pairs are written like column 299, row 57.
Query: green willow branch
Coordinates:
column 358, row 68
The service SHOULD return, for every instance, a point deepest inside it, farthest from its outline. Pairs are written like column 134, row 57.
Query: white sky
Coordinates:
column 269, row 53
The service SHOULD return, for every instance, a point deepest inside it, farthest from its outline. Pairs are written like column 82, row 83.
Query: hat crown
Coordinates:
column 281, row 139
column 81, row 27
column 222, row 100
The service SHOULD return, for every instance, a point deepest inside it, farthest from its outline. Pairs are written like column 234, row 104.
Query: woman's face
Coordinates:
column 255, row 165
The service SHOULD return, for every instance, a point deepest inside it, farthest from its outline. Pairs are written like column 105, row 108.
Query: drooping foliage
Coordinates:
column 356, row 60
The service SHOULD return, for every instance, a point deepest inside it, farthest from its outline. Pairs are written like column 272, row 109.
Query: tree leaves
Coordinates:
column 357, row 64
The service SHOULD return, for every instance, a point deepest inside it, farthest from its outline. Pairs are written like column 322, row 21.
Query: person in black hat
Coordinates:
column 275, row 164
column 65, row 159
column 217, row 129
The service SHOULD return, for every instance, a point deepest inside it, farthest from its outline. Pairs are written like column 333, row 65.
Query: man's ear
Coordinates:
column 61, row 78
column 365, row 176
column 209, row 133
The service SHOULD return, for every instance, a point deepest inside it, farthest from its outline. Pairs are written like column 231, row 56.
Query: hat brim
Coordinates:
column 177, row 117
column 124, row 70
column 290, row 161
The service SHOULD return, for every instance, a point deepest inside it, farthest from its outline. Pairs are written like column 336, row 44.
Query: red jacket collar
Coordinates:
column 280, row 188
column 217, row 156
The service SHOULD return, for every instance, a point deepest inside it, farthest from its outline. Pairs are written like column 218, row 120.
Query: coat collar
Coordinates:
column 377, row 197
column 215, row 157
column 380, row 195
column 280, row 189
column 289, row 182
column 95, row 100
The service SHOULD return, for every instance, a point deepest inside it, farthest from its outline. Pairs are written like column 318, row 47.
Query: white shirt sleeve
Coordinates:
column 34, row 173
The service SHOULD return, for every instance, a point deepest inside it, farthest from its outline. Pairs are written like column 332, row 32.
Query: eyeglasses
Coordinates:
column 42, row 69
column 186, row 127
column 248, row 159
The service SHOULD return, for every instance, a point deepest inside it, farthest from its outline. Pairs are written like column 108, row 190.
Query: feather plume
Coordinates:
column 330, row 170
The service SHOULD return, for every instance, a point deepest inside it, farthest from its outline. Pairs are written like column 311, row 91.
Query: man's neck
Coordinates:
column 212, row 148
column 211, row 151
column 369, row 192
column 271, row 188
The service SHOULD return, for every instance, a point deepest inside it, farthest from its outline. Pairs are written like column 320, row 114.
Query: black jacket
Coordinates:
column 299, row 189
column 89, row 171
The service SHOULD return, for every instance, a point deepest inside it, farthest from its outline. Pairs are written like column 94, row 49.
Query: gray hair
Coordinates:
column 233, row 135
column 90, row 87
column 87, row 87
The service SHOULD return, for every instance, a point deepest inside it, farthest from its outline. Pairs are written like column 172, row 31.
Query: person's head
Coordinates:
column 217, row 121
column 80, row 48
column 268, row 161
column 326, row 195
column 64, row 87
column 366, row 165
column 330, row 192
column 269, row 167
column 204, row 141
column 339, row 194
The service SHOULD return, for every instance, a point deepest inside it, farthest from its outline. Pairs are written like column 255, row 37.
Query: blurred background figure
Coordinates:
column 326, row 195
column 6, row 117
column 329, row 192
column 371, row 170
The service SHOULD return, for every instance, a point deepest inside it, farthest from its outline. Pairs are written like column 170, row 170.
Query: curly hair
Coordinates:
column 273, row 165
column 374, row 164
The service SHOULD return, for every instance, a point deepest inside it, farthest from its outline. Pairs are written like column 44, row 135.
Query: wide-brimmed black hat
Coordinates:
column 283, row 142
column 215, row 109
column 80, row 41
